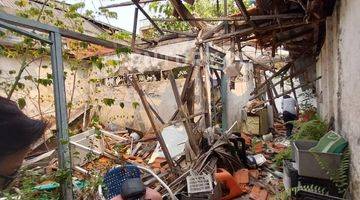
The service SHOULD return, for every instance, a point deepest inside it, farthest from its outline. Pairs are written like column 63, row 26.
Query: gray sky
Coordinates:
column 125, row 14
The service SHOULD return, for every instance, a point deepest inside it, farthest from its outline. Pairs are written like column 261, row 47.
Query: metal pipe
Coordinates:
column 60, row 113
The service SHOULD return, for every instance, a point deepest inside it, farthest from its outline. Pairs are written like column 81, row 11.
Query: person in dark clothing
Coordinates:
column 17, row 133
column 290, row 109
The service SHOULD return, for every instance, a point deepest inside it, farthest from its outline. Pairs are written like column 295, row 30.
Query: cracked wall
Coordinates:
column 338, row 91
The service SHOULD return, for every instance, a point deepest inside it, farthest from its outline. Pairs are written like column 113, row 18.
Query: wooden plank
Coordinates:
column 183, row 113
column 283, row 69
column 288, row 92
column 184, row 90
column 128, row 3
column 271, row 97
column 232, row 19
column 147, row 16
column 156, row 114
column 145, row 103
column 185, row 14
column 214, row 30
column 184, row 119
column 240, row 4
column 205, row 56
column 115, row 45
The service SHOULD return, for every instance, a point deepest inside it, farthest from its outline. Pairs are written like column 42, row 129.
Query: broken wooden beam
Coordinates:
column 225, row 19
column 183, row 113
column 128, row 3
column 147, row 16
column 288, row 92
column 145, row 103
column 240, row 4
column 185, row 14
column 282, row 70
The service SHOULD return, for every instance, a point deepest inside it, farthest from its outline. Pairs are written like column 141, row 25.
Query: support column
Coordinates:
column 60, row 114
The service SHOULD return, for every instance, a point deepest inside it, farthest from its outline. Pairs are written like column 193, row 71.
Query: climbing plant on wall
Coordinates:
column 33, row 72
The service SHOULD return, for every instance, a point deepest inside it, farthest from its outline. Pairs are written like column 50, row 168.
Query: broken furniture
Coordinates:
column 256, row 123
column 88, row 146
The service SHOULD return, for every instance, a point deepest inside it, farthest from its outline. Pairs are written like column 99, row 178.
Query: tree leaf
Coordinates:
column 108, row 101
column 21, row 102
column 135, row 104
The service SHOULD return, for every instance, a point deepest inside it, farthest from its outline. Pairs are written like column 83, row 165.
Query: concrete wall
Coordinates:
column 238, row 97
column 338, row 90
column 159, row 94
column 30, row 92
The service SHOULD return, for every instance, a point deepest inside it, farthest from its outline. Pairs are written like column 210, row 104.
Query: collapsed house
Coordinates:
column 184, row 113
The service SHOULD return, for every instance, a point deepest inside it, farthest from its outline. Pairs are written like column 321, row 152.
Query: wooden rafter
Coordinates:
column 128, row 3
column 136, row 3
column 185, row 14
column 240, row 4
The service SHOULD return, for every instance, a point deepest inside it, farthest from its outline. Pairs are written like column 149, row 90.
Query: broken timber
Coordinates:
column 145, row 103
column 183, row 113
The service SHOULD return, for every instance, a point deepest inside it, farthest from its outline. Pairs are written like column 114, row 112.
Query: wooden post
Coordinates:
column 183, row 113
column 205, row 58
column 292, row 82
column 271, row 97
column 145, row 103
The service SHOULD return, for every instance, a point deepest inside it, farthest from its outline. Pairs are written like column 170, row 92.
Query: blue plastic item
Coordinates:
column 114, row 179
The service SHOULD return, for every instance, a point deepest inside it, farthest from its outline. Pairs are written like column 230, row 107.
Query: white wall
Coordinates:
column 238, row 97
column 338, row 90
column 159, row 94
column 30, row 93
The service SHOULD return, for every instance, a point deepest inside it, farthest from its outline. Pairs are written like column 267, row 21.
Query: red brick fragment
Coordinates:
column 242, row 176
column 255, row 192
column 263, row 195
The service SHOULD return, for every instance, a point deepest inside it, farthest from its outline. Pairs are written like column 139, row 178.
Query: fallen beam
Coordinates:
column 240, row 4
column 212, row 19
column 147, row 16
column 183, row 113
column 185, row 14
column 128, row 3
column 289, row 91
column 282, row 70
column 145, row 103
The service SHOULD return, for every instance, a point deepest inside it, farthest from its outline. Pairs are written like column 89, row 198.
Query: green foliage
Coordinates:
column 135, row 104
column 286, row 194
column 311, row 130
column 45, row 81
column 22, row 3
column 203, row 8
column 98, row 62
column 339, row 177
column 91, row 187
column 107, row 13
column 27, row 180
column 284, row 155
column 108, row 101
column 123, row 50
column 21, row 102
